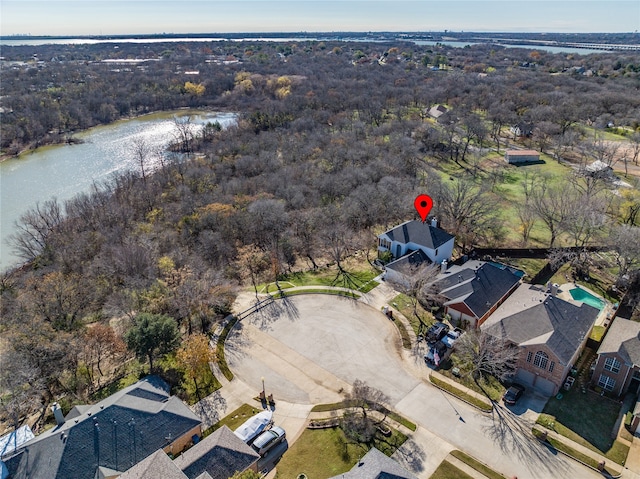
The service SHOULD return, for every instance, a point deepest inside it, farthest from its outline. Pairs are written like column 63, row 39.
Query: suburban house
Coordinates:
column 104, row 439
column 218, row 456
column 474, row 291
column 376, row 465
column 618, row 362
column 437, row 111
column 521, row 156
column 550, row 333
column 522, row 130
column 415, row 235
column 401, row 270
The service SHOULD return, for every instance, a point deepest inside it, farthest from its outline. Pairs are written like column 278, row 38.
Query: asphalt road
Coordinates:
column 311, row 348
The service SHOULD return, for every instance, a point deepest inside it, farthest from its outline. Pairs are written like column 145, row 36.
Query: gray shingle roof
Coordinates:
column 623, row 338
column 220, row 454
column 115, row 433
column 409, row 262
column 419, row 233
column 157, row 466
column 488, row 286
column 548, row 320
column 375, row 465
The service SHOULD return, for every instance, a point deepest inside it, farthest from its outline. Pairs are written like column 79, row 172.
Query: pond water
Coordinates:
column 62, row 171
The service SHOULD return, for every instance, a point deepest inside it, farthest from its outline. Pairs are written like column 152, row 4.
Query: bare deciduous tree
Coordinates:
column 484, row 355
column 21, row 387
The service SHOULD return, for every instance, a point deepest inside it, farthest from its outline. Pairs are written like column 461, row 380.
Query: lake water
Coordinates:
column 62, row 171
column 79, row 41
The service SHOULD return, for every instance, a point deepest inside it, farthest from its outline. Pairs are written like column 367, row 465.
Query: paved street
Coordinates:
column 310, row 348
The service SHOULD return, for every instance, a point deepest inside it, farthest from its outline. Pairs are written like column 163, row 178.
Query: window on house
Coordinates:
column 606, row 383
column 529, row 356
column 436, row 251
column 551, row 366
column 612, row 364
column 541, row 359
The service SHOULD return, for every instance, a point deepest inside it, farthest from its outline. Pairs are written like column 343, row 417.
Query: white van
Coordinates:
column 268, row 439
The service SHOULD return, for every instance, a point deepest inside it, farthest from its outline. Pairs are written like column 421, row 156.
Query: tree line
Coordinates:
column 331, row 148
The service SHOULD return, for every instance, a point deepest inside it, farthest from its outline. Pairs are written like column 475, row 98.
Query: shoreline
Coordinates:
column 71, row 141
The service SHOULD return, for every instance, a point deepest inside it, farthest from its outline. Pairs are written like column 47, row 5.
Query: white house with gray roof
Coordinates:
column 426, row 241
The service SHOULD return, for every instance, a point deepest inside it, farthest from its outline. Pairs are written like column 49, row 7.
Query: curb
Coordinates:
column 548, row 444
column 486, row 411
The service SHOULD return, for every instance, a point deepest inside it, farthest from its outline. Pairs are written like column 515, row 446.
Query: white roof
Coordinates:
column 253, row 426
column 10, row 442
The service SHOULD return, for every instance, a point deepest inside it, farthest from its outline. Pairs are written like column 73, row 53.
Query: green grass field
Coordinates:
column 587, row 419
column 323, row 453
column 446, row 470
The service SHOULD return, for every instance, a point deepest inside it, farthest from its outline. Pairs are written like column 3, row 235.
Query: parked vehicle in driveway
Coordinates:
column 436, row 353
column 451, row 337
column 512, row 394
column 268, row 440
column 436, row 332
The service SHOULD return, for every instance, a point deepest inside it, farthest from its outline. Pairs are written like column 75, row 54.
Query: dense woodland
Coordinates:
column 333, row 144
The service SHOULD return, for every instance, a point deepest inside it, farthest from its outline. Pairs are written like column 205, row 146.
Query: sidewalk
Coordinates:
column 612, row 467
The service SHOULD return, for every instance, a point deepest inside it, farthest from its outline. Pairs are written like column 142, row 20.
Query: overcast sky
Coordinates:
column 95, row 17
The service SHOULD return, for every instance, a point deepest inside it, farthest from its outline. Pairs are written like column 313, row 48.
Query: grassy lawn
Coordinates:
column 360, row 275
column 531, row 266
column 446, row 470
column 222, row 361
column 480, row 404
column 587, row 419
column 488, row 386
column 235, row 418
column 346, row 403
column 346, row 294
column 323, row 453
column 477, row 465
column 419, row 323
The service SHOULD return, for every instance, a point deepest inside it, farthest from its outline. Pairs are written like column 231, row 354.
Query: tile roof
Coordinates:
column 531, row 316
column 375, row 465
column 623, row 338
column 419, row 233
column 220, row 454
column 115, row 433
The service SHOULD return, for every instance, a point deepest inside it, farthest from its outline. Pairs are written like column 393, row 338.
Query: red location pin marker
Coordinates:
column 423, row 204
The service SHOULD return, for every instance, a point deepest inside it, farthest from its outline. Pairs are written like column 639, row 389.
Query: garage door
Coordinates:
column 525, row 378
column 545, row 386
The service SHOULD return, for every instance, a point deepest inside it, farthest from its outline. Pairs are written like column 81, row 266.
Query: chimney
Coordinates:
column 57, row 413
column 554, row 289
column 443, row 266
column 434, row 222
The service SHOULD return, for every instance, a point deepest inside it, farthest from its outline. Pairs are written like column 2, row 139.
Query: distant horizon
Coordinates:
column 309, row 32
column 70, row 18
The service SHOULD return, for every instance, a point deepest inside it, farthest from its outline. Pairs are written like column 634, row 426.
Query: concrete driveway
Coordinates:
column 309, row 349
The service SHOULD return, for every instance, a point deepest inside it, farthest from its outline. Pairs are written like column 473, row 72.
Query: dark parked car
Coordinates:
column 512, row 395
column 436, row 332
